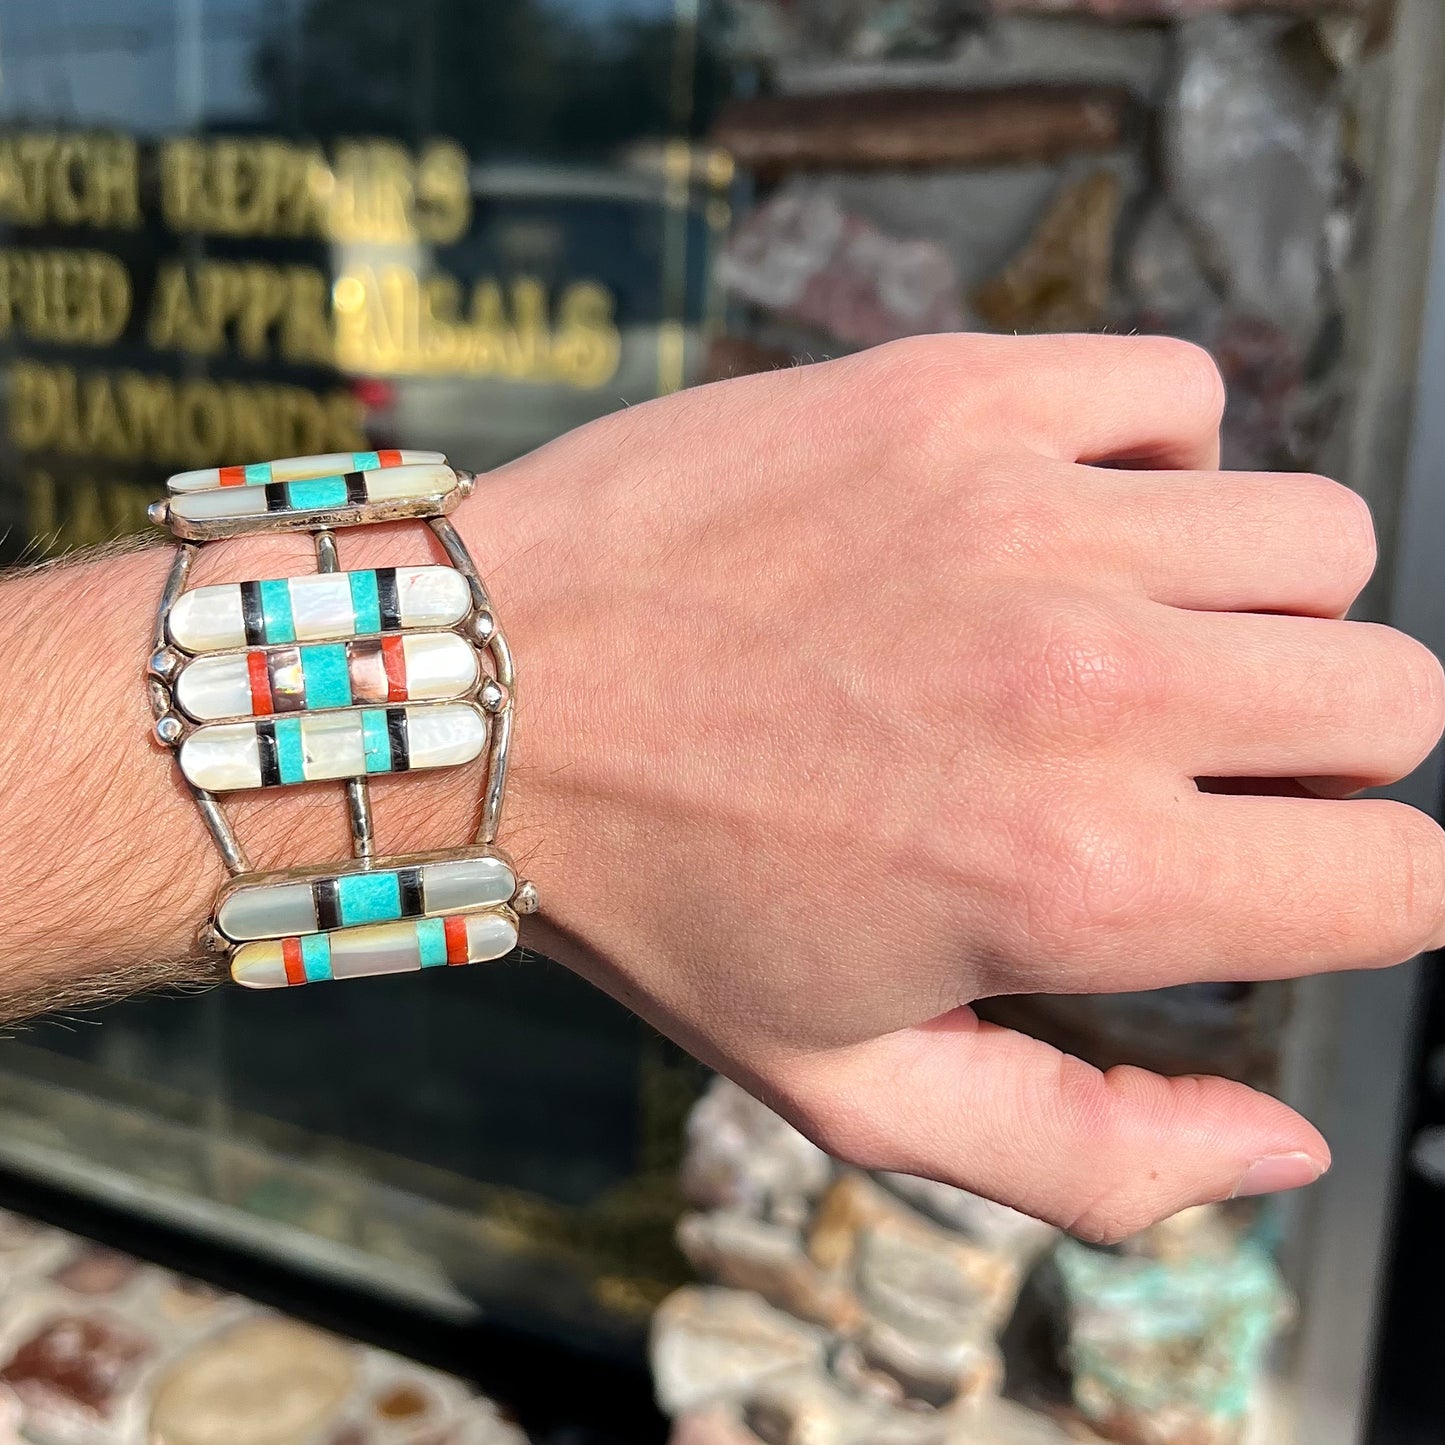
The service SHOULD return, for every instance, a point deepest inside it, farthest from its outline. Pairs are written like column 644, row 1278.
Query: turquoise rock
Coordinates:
column 1169, row 1351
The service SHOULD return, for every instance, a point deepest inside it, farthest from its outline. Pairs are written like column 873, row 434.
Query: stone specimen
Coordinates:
column 980, row 1220
column 96, row 1271
column 1061, row 280
column 1172, row 9
column 265, row 1382
column 896, row 128
column 1168, row 1352
column 858, row 1309
column 770, row 1260
column 801, row 256
column 1169, row 292
column 741, row 1155
column 1252, row 162
column 717, row 1344
column 1266, row 419
column 73, row 1371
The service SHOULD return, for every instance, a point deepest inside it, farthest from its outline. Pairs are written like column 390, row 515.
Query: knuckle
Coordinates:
column 1091, row 883
column 1418, row 901
column 1347, row 521
column 919, row 385
column 1092, row 1104
column 1077, row 664
column 1422, row 692
column 1186, row 371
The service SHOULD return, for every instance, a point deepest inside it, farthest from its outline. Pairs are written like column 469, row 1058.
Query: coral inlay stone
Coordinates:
column 372, row 895
column 433, row 481
column 294, row 469
column 347, row 743
column 317, row 607
column 404, row 947
column 406, row 667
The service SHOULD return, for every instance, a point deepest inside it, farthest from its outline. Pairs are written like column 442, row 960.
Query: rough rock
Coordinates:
column 1060, row 281
column 1169, row 1353
column 1006, row 52
column 1173, row 9
column 1251, row 161
column 944, row 1368
column 769, row 1259
column 801, row 255
column 894, row 128
column 911, row 1273
column 1167, row 290
column 715, row 1344
column 980, row 1220
column 799, row 1407
column 740, row 1154
column 714, row 1426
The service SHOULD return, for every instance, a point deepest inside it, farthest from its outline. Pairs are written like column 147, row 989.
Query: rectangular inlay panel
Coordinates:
column 317, row 607
column 346, row 743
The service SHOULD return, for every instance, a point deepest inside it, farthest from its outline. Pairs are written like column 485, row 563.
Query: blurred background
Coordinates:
column 456, row 1208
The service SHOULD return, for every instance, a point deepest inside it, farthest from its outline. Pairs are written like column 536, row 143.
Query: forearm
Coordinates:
column 107, row 866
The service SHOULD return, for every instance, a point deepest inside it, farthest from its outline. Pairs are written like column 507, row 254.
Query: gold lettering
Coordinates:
column 68, row 297
column 101, row 432
column 35, row 405
column 150, row 404
column 306, row 324
column 589, row 346
column 131, row 416
column 181, row 185
column 195, row 308
column 70, row 178
column 85, row 518
column 392, row 322
column 373, row 191
column 175, row 320
column 443, row 193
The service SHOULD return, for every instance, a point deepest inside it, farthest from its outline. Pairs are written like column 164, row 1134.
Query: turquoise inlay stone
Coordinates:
column 312, row 493
column 276, row 610
column 258, row 474
column 368, row 898
column 376, row 740
column 431, row 942
column 364, row 603
column 365, row 462
column 316, row 957
column 289, row 758
column 328, row 680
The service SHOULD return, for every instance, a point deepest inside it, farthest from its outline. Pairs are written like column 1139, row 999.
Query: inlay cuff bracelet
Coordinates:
column 337, row 675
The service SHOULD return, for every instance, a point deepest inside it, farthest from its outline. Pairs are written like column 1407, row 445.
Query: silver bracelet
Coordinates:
column 337, row 675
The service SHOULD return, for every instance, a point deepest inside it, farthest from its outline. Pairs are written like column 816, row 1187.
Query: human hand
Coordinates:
column 856, row 693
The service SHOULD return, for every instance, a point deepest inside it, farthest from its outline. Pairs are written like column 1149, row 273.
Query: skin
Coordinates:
column 852, row 695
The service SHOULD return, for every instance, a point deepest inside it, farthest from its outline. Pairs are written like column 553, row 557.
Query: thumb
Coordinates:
column 1102, row 1154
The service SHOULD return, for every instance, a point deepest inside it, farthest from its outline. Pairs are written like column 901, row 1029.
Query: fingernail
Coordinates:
column 1276, row 1172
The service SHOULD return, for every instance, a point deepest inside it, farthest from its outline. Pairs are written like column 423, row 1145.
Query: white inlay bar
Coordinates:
column 388, row 890
column 294, row 469
column 348, row 743
column 317, row 607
